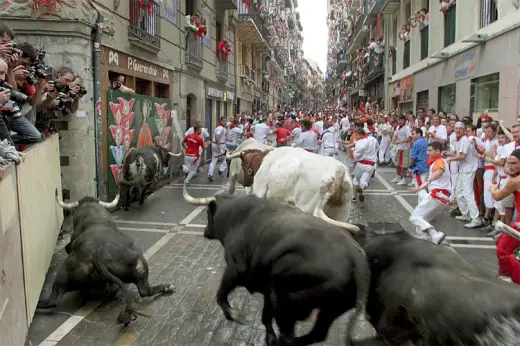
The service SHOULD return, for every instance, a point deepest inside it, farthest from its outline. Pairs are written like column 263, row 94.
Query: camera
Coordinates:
column 16, row 96
column 82, row 92
column 65, row 102
column 15, row 49
column 39, row 67
column 62, row 88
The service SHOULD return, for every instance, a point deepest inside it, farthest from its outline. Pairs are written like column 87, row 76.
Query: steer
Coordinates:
column 141, row 168
column 98, row 254
column 236, row 171
column 428, row 295
column 316, row 184
column 296, row 261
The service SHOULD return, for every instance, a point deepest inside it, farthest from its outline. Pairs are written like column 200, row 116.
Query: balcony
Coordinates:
column 358, row 33
column 390, row 6
column 373, row 7
column 228, row 4
column 193, row 55
column 222, row 70
column 250, row 29
column 144, row 29
column 376, row 66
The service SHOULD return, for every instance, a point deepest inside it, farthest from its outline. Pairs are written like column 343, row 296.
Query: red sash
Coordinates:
column 367, row 162
column 435, row 193
column 489, row 167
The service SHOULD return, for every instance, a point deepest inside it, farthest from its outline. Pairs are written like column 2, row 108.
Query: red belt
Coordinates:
column 489, row 167
column 500, row 178
column 310, row 151
column 367, row 162
column 435, row 195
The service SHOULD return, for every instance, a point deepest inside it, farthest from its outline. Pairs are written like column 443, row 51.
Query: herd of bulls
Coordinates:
column 287, row 241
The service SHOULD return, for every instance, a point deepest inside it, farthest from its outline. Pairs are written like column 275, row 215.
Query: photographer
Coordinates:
column 8, row 52
column 117, row 84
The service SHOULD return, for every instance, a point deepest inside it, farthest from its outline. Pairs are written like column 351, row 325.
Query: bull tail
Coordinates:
column 125, row 316
column 362, row 278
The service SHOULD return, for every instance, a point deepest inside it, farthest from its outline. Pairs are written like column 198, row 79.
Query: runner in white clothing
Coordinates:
column 365, row 158
column 218, row 149
column 328, row 140
column 261, row 131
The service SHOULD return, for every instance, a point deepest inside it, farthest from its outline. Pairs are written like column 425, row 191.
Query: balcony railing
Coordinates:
column 222, row 70
column 194, row 51
column 373, row 7
column 245, row 71
column 249, row 12
column 376, row 66
column 143, row 26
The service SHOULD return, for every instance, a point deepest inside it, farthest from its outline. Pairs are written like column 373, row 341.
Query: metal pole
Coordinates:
column 98, row 123
column 387, row 60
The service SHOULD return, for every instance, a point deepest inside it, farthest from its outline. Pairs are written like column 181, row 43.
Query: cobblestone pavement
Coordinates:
column 170, row 233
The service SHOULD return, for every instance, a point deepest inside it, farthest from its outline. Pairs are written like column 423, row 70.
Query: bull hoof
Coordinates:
column 125, row 318
column 169, row 289
column 236, row 316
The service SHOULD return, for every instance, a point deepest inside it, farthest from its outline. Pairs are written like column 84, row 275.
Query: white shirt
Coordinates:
column 296, row 132
column 328, row 139
column 319, row 126
column 403, row 132
column 444, row 181
column 471, row 161
column 366, row 149
column 220, row 131
column 488, row 147
column 307, row 140
column 204, row 132
column 260, row 132
column 345, row 124
column 233, row 134
column 454, row 148
column 439, row 132
column 500, row 151
column 384, row 130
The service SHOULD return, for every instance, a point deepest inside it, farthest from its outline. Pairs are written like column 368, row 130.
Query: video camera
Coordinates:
column 16, row 96
column 38, row 69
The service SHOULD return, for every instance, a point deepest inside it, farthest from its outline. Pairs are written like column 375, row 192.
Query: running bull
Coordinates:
column 428, row 295
column 141, row 169
column 316, row 184
column 99, row 254
column 296, row 261
column 239, row 169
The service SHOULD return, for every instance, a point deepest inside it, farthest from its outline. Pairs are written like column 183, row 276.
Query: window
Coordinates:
column 488, row 12
column 161, row 90
column 447, row 98
column 422, row 100
column 406, row 55
column 450, row 25
column 218, row 29
column 143, row 87
column 424, row 42
column 145, row 22
column 191, row 7
column 484, row 93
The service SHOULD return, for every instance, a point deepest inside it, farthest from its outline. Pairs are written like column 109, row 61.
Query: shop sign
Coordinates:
column 466, row 64
column 216, row 93
column 404, row 89
column 229, row 96
column 137, row 67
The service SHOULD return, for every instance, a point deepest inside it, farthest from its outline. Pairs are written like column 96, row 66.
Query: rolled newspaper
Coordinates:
column 503, row 228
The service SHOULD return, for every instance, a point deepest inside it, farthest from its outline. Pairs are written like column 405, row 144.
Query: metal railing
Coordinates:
column 245, row 71
column 222, row 69
column 376, row 64
column 144, row 26
column 193, row 50
column 249, row 12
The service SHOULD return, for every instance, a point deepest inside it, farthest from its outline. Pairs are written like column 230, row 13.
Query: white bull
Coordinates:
column 236, row 173
column 313, row 183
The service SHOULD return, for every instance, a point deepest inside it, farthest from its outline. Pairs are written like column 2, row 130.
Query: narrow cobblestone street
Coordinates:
column 170, row 233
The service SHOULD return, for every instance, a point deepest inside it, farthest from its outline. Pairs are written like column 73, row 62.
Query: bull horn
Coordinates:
column 64, row 205
column 345, row 225
column 110, row 205
column 196, row 201
column 176, row 155
column 233, row 155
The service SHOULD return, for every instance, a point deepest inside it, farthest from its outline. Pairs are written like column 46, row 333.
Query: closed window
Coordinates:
column 484, row 93
column 447, row 98
column 488, row 12
column 424, row 42
column 450, row 26
column 406, row 55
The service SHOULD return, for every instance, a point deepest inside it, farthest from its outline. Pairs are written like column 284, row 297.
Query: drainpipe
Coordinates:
column 98, row 123
column 387, row 61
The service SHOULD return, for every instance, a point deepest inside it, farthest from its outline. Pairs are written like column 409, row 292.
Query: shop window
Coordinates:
column 406, row 55
column 484, row 93
column 129, row 80
column 488, row 12
column 162, row 90
column 422, row 99
column 447, row 95
column 191, row 7
column 450, row 23
column 143, row 87
column 424, row 42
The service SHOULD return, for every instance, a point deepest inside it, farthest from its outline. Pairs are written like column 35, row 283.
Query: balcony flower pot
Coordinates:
column 223, row 50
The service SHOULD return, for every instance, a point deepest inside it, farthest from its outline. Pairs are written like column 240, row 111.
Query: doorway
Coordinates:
column 190, row 109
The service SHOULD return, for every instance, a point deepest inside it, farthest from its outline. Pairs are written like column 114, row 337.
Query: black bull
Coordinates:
column 98, row 254
column 141, row 168
column 427, row 294
column 297, row 261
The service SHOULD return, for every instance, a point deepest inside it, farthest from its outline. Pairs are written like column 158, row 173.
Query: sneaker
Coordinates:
column 505, row 278
column 411, row 184
column 402, row 182
column 220, row 173
column 422, row 235
column 396, row 179
column 210, row 178
column 463, row 218
column 438, row 237
column 474, row 223
column 361, row 197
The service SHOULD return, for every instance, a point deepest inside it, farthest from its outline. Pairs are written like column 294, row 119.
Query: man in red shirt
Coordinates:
column 194, row 142
column 282, row 135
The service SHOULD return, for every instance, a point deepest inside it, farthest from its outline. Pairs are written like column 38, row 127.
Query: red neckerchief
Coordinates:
column 432, row 160
column 517, row 145
column 372, row 129
column 220, row 124
column 233, row 126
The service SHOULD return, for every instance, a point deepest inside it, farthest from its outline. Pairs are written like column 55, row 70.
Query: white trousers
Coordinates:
column 329, row 151
column 362, row 175
column 191, row 164
column 215, row 151
column 489, row 202
column 422, row 194
column 465, row 195
column 425, row 212
column 384, row 149
column 336, row 144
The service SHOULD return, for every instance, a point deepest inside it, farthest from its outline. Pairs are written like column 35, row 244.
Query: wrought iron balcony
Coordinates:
column 376, row 65
column 250, row 14
column 228, row 4
column 390, row 6
column 194, row 49
column 373, row 7
column 144, row 29
column 222, row 70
